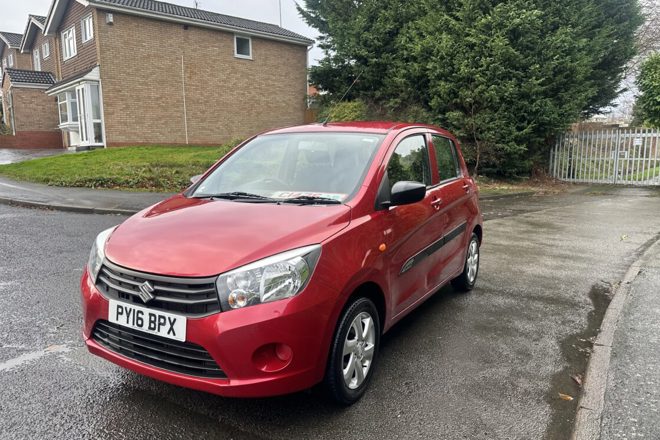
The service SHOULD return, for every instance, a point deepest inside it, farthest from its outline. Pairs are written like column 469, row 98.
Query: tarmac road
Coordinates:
column 486, row 365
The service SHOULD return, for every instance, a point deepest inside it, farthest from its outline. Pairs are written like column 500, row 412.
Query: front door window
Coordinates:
column 83, row 121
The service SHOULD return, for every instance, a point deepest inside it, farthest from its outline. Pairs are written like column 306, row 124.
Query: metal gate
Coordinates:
column 625, row 156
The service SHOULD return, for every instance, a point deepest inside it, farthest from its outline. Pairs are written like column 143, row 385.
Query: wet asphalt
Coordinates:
column 486, row 365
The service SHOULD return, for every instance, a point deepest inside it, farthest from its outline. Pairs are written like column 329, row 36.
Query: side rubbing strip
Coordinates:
column 432, row 248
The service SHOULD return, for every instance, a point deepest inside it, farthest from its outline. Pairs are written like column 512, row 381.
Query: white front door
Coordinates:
column 83, row 117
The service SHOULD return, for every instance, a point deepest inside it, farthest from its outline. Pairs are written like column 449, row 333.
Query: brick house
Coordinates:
column 42, row 49
column 10, row 54
column 10, row 57
column 130, row 72
column 28, row 112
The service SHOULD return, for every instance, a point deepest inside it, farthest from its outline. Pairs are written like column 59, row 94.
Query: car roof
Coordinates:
column 356, row 126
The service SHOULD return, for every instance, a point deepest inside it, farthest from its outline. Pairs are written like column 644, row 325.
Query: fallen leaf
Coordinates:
column 624, row 237
column 577, row 378
column 563, row 396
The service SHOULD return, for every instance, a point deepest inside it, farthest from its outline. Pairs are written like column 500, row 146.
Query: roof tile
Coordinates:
column 30, row 77
column 39, row 18
column 162, row 8
column 13, row 39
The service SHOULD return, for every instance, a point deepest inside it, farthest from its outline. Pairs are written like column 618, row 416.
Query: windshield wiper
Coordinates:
column 235, row 195
column 311, row 200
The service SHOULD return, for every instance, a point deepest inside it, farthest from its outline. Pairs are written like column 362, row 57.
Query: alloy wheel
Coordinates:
column 359, row 348
column 472, row 261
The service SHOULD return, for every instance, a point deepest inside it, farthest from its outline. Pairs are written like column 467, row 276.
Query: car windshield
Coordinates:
column 298, row 166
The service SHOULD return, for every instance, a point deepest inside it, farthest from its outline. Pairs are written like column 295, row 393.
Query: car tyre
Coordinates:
column 466, row 280
column 354, row 352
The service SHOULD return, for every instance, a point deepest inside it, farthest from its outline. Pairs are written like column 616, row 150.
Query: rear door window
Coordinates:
column 446, row 158
column 410, row 161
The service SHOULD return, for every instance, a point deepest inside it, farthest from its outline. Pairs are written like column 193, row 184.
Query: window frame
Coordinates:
column 45, row 50
column 241, row 56
column 74, row 46
column 70, row 97
column 454, row 153
column 36, row 60
column 10, row 60
column 87, row 29
column 429, row 158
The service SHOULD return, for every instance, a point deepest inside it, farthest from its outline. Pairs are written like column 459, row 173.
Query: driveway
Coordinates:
column 9, row 155
column 486, row 365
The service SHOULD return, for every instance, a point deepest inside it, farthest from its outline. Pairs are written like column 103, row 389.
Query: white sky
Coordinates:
column 13, row 17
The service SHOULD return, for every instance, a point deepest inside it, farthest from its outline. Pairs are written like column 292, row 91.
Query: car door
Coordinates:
column 454, row 192
column 410, row 227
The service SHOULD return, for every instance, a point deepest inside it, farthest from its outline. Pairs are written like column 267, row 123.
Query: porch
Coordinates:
column 80, row 109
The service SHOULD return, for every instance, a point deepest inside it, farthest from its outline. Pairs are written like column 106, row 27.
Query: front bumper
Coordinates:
column 240, row 341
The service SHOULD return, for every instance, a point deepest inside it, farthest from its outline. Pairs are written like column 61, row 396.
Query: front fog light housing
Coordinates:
column 271, row 279
column 97, row 255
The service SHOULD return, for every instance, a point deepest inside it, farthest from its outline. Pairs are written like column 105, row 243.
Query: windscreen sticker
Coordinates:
column 296, row 194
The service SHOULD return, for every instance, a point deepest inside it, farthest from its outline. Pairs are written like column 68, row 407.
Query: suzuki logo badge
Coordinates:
column 147, row 292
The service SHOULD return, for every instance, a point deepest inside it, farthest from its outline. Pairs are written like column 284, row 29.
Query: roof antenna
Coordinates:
column 325, row 123
column 196, row 2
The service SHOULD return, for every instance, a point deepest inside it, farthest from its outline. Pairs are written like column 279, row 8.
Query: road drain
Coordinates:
column 576, row 350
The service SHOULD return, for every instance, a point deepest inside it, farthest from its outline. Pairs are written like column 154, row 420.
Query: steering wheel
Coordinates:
column 275, row 180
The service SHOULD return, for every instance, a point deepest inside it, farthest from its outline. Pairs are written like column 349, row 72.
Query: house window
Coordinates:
column 68, row 106
column 10, row 60
column 87, row 29
column 243, row 47
column 45, row 50
column 69, row 49
column 36, row 58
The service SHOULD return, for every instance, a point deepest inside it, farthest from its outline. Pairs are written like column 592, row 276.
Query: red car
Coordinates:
column 283, row 265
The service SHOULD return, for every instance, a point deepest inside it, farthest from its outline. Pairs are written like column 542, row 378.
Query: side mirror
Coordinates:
column 406, row 193
column 195, row 179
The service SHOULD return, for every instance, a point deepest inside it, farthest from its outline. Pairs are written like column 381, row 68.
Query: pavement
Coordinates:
column 487, row 365
column 632, row 399
column 76, row 199
column 12, row 155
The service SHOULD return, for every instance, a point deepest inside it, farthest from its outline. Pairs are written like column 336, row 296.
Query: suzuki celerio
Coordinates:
column 282, row 266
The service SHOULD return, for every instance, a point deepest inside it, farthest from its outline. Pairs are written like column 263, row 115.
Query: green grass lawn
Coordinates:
column 646, row 175
column 152, row 168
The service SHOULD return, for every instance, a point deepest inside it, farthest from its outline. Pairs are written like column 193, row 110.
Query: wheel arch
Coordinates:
column 478, row 229
column 367, row 288
column 373, row 292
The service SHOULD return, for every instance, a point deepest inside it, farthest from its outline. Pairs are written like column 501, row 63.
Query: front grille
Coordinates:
column 180, row 357
column 184, row 296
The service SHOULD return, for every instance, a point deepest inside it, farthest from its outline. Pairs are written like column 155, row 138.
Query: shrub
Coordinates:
column 344, row 111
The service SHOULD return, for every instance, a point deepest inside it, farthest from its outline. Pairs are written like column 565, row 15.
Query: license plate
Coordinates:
column 154, row 322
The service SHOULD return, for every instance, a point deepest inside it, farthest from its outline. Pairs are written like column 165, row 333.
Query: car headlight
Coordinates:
column 97, row 254
column 271, row 279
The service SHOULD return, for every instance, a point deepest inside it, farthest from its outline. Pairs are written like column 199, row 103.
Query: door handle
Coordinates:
column 466, row 187
column 436, row 203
